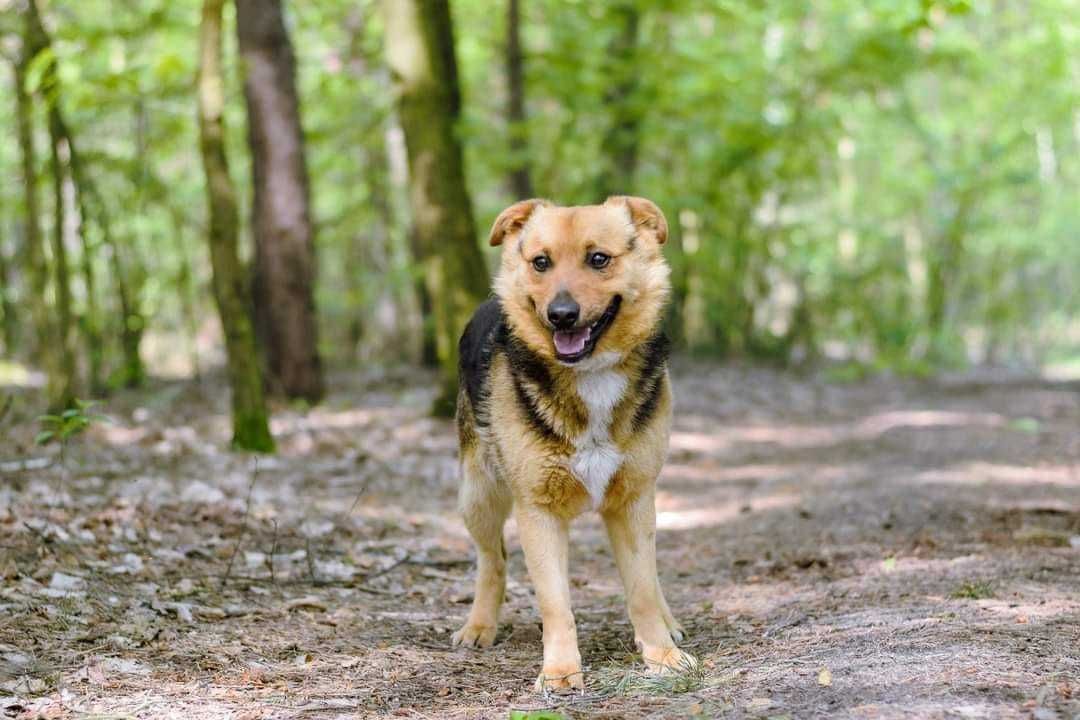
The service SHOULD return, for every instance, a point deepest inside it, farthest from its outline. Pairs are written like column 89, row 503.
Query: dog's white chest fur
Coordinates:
column 597, row 458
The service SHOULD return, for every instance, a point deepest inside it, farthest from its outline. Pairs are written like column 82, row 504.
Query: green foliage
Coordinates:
column 883, row 186
column 69, row 423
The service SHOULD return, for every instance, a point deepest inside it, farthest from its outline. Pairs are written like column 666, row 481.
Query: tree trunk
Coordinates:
column 620, row 143
column 281, row 214
column 186, row 288
column 91, row 319
column 131, row 321
column 250, row 427
column 520, row 181
column 33, row 248
column 91, row 205
column 63, row 381
column 7, row 305
column 62, row 387
column 943, row 268
column 420, row 53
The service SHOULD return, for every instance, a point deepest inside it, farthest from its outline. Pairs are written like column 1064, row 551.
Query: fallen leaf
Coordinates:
column 824, row 678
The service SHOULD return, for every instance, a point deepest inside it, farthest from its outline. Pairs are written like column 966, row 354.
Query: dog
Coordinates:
column 565, row 407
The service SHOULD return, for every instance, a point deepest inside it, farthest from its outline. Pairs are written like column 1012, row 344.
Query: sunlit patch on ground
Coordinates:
column 919, row 545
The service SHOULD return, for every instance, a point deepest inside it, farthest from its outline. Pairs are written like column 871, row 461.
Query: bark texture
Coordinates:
column 420, row 53
column 63, row 384
column 57, row 326
column 7, row 303
column 281, row 214
column 520, row 180
column 33, row 245
column 250, row 427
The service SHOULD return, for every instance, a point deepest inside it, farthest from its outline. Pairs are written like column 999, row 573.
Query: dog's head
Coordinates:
column 582, row 281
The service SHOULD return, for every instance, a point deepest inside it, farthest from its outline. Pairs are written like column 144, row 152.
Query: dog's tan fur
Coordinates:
column 508, row 465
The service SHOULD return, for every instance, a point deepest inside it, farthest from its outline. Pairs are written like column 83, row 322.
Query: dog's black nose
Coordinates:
column 563, row 311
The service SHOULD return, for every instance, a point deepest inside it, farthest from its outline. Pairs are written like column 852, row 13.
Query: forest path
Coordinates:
column 870, row 550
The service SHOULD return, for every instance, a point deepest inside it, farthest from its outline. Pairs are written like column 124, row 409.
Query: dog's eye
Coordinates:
column 598, row 260
column 541, row 263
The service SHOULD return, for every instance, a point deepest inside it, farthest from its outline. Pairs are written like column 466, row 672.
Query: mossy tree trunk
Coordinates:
column 284, row 275
column 7, row 302
column 420, row 53
column 62, row 382
column 251, row 429
column 63, row 386
column 33, row 251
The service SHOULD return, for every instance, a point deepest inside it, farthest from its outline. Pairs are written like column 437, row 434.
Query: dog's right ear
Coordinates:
column 513, row 219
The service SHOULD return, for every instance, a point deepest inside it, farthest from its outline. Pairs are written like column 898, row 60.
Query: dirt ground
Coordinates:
column 882, row 549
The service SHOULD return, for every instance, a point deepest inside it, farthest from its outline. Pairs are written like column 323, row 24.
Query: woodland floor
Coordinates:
column 882, row 549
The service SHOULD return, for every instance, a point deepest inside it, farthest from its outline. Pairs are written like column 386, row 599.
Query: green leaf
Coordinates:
column 43, row 437
column 35, row 72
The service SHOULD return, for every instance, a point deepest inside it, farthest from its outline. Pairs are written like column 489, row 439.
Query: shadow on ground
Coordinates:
column 883, row 549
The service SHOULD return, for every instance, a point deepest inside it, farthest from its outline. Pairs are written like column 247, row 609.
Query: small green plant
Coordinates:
column 974, row 591
column 536, row 715
column 63, row 427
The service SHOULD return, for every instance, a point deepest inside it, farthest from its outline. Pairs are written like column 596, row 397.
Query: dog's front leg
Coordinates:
column 544, row 540
column 632, row 530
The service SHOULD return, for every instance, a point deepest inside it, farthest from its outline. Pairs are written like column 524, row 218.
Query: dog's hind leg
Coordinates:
column 632, row 531
column 485, row 502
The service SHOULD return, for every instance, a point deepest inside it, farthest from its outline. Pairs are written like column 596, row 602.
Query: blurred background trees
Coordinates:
column 872, row 186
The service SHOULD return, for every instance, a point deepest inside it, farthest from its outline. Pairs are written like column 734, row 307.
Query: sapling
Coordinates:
column 63, row 427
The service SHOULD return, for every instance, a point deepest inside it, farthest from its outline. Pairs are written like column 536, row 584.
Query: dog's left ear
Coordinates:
column 513, row 219
column 644, row 214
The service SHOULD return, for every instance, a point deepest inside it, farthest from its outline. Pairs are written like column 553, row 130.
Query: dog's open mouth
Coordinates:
column 578, row 343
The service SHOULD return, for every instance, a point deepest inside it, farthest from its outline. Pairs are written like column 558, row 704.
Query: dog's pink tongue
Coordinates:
column 571, row 342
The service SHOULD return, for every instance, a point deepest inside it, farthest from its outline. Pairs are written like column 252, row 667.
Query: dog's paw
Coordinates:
column 478, row 636
column 567, row 676
column 660, row 660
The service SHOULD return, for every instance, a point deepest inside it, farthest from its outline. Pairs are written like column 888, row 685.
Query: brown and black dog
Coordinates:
column 565, row 407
